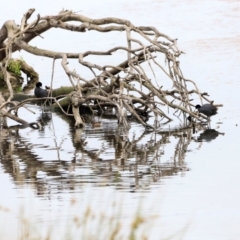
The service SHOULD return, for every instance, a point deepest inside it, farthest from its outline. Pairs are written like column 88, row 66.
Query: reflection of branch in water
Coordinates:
column 181, row 147
column 12, row 150
column 17, row 154
column 118, row 161
column 137, row 159
column 18, row 159
column 45, row 118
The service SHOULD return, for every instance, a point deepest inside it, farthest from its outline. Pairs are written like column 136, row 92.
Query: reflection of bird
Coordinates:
column 207, row 109
column 208, row 135
column 44, row 119
column 39, row 92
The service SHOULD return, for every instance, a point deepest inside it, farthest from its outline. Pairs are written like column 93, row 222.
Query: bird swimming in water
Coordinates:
column 207, row 109
column 39, row 92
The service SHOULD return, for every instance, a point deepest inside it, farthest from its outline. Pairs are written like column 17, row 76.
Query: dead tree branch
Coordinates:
column 133, row 87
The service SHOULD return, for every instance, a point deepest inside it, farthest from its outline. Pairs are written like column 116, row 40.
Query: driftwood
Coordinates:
column 126, row 87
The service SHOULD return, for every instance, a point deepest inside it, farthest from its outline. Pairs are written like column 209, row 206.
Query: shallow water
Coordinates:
column 188, row 189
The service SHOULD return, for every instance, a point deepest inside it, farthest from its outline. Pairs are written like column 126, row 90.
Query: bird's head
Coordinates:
column 38, row 84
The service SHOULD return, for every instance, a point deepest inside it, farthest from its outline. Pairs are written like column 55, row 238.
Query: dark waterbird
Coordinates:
column 39, row 92
column 207, row 109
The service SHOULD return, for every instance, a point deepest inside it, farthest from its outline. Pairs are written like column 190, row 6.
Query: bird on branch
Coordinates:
column 39, row 92
column 207, row 109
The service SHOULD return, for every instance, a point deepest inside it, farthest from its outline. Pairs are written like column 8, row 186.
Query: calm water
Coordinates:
column 186, row 185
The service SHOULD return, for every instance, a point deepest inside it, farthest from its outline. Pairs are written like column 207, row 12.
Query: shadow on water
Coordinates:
column 209, row 135
column 103, row 155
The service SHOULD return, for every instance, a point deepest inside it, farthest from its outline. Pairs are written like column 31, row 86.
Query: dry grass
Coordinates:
column 89, row 225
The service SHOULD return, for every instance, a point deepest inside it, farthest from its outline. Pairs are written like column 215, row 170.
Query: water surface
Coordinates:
column 185, row 184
